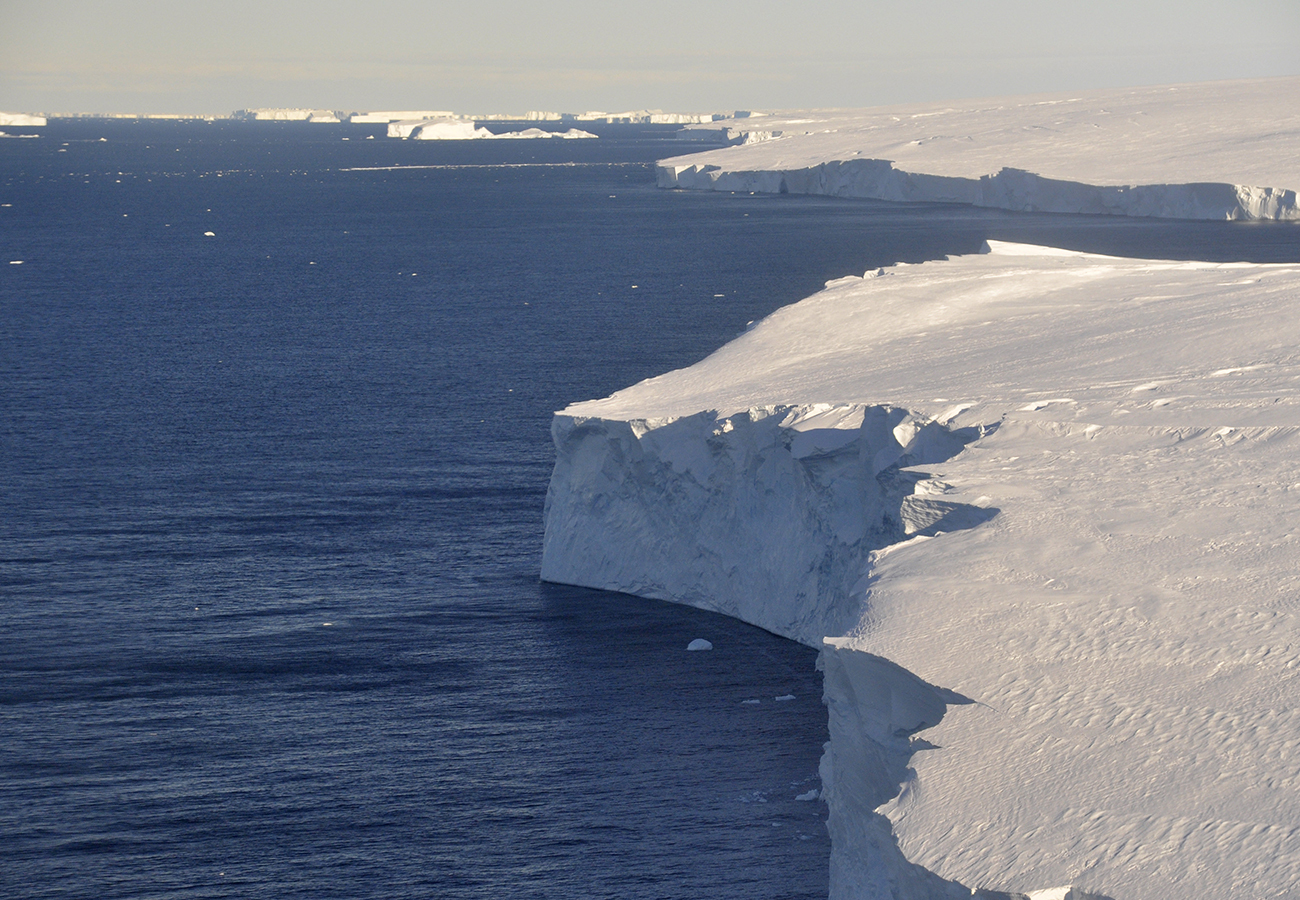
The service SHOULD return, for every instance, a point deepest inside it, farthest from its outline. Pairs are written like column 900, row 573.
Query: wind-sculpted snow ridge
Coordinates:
column 1225, row 150
column 1038, row 510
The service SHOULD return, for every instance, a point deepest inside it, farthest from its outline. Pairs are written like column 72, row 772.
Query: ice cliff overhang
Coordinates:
column 1224, row 150
column 1061, row 486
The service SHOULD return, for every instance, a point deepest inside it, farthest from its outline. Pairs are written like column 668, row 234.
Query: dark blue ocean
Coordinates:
column 271, row 515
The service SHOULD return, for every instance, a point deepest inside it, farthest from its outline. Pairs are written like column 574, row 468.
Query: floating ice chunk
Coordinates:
column 750, row 702
column 784, row 697
column 699, row 644
column 814, row 794
column 15, row 262
column 209, row 234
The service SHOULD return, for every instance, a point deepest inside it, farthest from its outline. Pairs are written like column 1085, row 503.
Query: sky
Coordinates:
column 508, row 56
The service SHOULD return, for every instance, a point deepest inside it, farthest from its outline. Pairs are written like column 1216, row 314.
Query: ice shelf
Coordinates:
column 1038, row 511
column 1223, row 150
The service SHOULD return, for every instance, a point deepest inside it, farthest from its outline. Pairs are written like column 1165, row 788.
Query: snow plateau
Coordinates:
column 1224, row 150
column 1038, row 510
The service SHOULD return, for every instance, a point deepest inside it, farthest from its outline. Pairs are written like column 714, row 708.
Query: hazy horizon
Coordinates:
column 148, row 57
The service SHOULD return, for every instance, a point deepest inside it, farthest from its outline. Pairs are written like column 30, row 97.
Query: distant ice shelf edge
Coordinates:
column 1010, row 189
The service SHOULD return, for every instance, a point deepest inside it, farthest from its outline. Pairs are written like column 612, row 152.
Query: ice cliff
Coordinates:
column 1037, row 509
column 1222, row 150
column 651, row 507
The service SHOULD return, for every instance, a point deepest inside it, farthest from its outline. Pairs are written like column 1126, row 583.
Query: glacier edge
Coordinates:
column 1010, row 188
column 1214, row 150
column 769, row 515
column 1127, row 620
column 773, row 515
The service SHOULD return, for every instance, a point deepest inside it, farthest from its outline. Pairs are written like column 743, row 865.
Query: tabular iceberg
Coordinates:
column 455, row 129
column 20, row 119
column 1038, row 510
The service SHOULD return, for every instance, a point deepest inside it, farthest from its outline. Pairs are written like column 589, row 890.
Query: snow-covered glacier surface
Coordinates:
column 1038, row 509
column 1224, row 150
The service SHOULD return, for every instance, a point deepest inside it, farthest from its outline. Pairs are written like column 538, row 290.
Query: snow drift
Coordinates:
column 1037, row 510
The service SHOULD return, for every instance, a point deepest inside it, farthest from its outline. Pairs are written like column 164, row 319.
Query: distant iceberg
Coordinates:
column 454, row 129
column 437, row 130
column 383, row 117
column 539, row 133
column 291, row 114
column 21, row 120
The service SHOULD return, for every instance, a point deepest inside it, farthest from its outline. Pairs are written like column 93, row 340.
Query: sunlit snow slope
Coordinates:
column 1225, row 150
column 1063, row 487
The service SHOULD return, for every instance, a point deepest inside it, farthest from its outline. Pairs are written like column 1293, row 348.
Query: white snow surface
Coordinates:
column 1039, row 510
column 1219, row 150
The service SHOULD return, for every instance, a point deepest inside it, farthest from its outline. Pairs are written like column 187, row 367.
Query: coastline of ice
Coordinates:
column 1223, row 150
column 1037, row 510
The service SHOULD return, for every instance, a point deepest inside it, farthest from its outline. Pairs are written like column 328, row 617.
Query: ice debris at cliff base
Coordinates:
column 1221, row 150
column 1061, row 486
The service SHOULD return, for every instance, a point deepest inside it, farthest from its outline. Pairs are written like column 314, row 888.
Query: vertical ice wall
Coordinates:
column 772, row 515
column 769, row 515
column 1009, row 188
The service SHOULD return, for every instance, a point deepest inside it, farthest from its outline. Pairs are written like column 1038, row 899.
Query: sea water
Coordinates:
column 273, row 452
